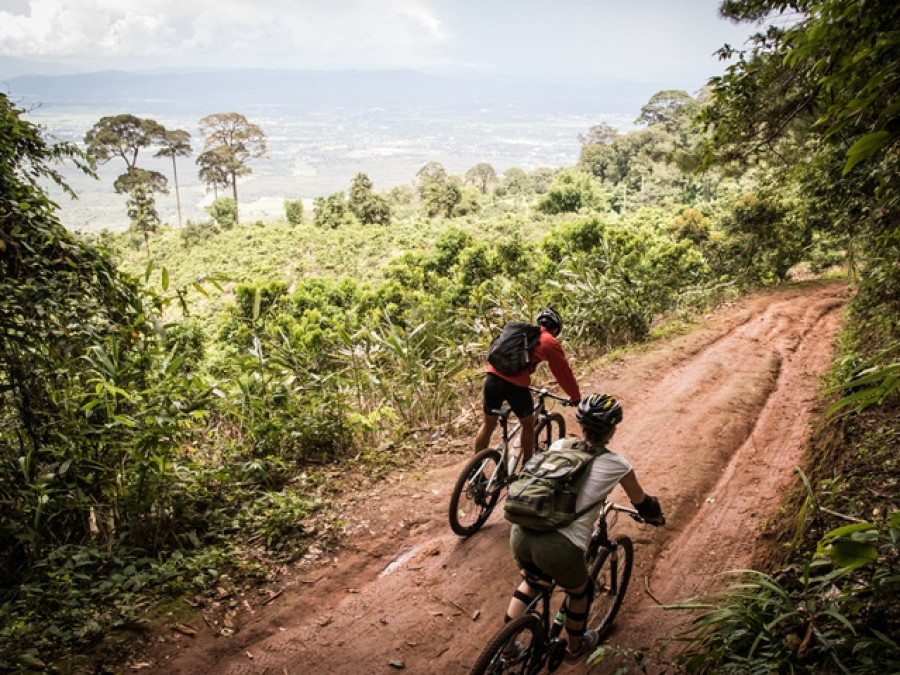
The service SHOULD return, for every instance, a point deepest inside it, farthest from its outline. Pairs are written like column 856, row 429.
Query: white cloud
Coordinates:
column 382, row 32
column 644, row 39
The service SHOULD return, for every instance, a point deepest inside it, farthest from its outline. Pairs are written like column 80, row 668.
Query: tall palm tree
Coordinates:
column 175, row 143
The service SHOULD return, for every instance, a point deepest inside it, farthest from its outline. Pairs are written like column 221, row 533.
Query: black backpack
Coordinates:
column 511, row 352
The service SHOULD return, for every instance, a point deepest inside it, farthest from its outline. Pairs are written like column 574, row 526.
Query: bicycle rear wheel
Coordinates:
column 611, row 572
column 475, row 495
column 548, row 430
column 518, row 647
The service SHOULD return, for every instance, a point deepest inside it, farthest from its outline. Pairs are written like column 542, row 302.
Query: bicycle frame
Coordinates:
column 547, row 646
column 490, row 471
column 539, row 411
column 506, row 437
column 600, row 536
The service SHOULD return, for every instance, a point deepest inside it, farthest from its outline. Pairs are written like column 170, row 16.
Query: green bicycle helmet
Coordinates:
column 550, row 319
column 598, row 412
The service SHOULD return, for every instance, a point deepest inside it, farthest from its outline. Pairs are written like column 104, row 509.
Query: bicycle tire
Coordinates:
column 470, row 503
column 528, row 631
column 548, row 430
column 607, row 603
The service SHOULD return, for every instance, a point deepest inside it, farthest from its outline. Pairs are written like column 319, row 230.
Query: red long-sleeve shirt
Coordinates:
column 548, row 349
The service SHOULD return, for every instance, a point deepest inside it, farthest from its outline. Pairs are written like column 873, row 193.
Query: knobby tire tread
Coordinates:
column 625, row 549
column 459, row 491
column 549, row 429
column 530, row 623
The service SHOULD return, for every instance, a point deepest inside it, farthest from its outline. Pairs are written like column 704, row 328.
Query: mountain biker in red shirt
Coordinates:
column 514, row 388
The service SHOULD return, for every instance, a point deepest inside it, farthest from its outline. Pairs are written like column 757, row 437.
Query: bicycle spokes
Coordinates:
column 476, row 493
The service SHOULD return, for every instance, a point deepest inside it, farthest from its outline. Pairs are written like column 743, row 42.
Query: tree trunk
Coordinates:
column 177, row 193
column 237, row 219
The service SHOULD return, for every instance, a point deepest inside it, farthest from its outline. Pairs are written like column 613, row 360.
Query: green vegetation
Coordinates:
column 814, row 103
column 230, row 142
column 175, row 401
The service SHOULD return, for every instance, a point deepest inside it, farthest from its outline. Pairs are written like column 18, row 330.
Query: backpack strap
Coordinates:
column 581, row 445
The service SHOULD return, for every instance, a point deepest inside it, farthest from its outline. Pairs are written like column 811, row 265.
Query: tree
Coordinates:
column 815, row 98
column 368, row 207
column 175, row 143
column 481, row 176
column 150, row 181
column 123, row 137
column 332, row 212
column 143, row 214
column 428, row 175
column 514, row 182
column 441, row 198
column 223, row 211
column 63, row 301
column 293, row 211
column 541, row 179
column 213, row 170
column 235, row 142
column 599, row 134
column 571, row 191
column 663, row 107
column 469, row 202
column 598, row 151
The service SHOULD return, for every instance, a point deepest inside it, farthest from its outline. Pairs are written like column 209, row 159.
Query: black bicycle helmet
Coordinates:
column 550, row 319
column 598, row 412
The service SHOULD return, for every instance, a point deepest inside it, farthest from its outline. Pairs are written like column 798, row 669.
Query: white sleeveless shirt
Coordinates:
column 605, row 473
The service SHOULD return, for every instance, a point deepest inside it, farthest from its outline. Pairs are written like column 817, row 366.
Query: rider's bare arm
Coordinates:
column 646, row 505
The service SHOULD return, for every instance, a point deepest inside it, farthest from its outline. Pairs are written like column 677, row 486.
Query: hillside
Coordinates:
column 188, row 414
column 715, row 424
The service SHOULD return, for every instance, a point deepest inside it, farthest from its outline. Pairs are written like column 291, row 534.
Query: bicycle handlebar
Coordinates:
column 546, row 393
column 637, row 516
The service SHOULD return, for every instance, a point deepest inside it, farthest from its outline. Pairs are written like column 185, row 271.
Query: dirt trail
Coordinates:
column 714, row 423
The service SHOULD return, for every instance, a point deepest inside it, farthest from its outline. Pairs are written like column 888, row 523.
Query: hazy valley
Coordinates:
column 323, row 129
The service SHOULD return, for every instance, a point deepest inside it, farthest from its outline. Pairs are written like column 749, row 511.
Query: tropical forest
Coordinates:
column 181, row 401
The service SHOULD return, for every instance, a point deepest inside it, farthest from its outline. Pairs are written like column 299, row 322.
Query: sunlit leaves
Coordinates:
column 850, row 546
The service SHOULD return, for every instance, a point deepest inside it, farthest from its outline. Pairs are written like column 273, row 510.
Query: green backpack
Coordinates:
column 543, row 496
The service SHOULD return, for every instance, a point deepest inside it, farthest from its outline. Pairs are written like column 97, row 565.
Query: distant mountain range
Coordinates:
column 323, row 127
column 10, row 66
column 316, row 90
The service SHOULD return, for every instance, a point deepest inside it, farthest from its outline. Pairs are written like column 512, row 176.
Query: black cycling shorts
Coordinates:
column 497, row 391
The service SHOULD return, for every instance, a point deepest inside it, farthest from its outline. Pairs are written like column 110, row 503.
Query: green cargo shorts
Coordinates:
column 551, row 553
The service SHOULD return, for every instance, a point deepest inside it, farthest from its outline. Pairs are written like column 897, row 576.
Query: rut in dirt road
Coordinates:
column 733, row 472
column 715, row 423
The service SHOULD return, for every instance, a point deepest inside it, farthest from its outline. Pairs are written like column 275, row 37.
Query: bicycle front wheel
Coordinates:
column 610, row 572
column 476, row 492
column 517, row 648
column 547, row 430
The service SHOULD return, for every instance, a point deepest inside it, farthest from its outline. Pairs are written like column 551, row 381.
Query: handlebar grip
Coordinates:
column 656, row 522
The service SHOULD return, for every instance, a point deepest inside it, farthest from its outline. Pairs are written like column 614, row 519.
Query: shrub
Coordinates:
column 293, row 211
column 224, row 212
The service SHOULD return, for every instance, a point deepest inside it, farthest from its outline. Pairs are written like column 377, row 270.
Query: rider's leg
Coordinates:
column 527, row 437
column 577, row 603
column 483, row 437
column 521, row 598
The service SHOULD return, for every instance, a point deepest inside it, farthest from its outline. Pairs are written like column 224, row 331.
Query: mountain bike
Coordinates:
column 489, row 472
column 526, row 644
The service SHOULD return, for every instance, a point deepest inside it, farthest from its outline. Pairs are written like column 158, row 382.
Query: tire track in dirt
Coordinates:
column 720, row 414
column 726, row 529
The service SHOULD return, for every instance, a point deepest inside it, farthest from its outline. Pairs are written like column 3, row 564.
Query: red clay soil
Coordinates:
column 715, row 423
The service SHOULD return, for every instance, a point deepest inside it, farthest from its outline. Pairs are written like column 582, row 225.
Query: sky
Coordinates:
column 625, row 40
